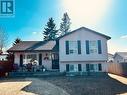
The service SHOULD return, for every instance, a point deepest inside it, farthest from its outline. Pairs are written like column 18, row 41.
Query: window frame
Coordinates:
column 73, row 47
column 93, row 47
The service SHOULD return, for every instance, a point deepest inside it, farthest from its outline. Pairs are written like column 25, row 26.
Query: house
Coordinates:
column 82, row 50
column 38, row 52
column 3, row 57
column 120, row 57
column 110, row 57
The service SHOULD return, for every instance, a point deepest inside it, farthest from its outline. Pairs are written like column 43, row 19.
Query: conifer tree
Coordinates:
column 17, row 40
column 65, row 24
column 50, row 32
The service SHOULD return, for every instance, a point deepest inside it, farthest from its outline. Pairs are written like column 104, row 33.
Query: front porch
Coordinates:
column 35, row 61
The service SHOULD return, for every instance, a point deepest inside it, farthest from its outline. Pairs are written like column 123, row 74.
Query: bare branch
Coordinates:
column 3, row 38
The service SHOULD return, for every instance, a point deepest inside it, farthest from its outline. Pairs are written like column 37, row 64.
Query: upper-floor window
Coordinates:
column 93, row 46
column 73, row 47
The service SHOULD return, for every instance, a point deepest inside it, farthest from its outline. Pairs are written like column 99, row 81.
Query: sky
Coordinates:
column 105, row 16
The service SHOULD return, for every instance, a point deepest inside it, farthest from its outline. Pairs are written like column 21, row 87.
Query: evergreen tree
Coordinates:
column 50, row 32
column 17, row 40
column 65, row 24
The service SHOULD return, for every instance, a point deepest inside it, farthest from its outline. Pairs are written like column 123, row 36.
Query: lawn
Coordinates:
column 89, row 85
column 64, row 86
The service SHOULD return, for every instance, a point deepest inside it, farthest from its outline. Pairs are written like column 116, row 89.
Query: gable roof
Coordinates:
column 122, row 54
column 33, row 46
column 107, row 37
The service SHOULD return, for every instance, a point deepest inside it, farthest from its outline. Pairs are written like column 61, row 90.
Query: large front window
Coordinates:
column 30, row 58
column 93, row 46
column 73, row 47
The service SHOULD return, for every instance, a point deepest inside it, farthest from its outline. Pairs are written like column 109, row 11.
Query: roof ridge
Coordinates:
column 107, row 37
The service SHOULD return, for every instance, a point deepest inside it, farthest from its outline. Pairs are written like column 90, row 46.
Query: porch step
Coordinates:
column 35, row 74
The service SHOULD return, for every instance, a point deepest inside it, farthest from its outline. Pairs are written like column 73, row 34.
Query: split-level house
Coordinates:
column 120, row 57
column 81, row 50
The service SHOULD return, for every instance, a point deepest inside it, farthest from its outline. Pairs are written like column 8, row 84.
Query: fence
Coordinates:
column 118, row 68
column 6, row 66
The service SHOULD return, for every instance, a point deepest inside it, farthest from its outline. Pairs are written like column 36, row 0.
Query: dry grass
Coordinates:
column 113, row 85
column 89, row 85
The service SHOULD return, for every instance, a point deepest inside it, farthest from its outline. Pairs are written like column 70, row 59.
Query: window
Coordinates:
column 73, row 47
column 31, row 57
column 71, row 67
column 91, row 67
column 93, row 46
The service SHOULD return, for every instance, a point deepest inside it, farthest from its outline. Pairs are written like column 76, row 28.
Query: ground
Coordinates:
column 108, row 85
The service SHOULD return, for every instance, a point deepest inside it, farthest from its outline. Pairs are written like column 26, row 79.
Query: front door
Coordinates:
column 55, row 61
column 21, row 60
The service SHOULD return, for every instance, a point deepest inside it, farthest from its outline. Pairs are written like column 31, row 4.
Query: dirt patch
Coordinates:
column 89, row 85
column 42, row 87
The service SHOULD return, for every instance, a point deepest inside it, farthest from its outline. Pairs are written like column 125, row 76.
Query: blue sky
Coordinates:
column 105, row 16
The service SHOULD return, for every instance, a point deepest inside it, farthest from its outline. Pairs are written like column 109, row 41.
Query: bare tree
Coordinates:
column 3, row 39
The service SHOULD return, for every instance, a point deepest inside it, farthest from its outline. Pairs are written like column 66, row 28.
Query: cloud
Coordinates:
column 34, row 33
column 37, row 33
column 124, row 37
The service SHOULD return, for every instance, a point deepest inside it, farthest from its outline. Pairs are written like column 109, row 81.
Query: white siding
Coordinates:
column 47, row 63
column 17, row 58
column 83, row 35
column 118, row 59
column 83, row 64
column 82, row 58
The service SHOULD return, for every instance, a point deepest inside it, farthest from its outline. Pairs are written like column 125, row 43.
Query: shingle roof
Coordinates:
column 107, row 37
column 33, row 46
column 122, row 54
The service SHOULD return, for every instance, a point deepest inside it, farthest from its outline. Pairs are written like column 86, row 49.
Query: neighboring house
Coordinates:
column 3, row 57
column 110, row 57
column 120, row 57
column 82, row 50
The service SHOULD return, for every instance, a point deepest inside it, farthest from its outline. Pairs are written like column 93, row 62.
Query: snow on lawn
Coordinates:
column 14, row 87
column 119, row 78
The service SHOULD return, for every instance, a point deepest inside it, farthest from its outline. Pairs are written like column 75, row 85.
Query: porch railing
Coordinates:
column 28, row 68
